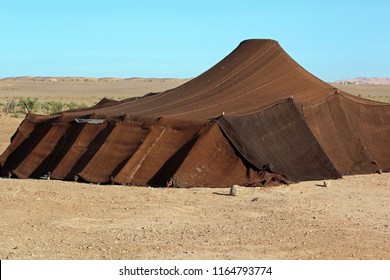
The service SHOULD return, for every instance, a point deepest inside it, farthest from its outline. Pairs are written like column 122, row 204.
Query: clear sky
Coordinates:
column 171, row 38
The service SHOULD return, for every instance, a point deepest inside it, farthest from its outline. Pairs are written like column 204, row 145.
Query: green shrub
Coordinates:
column 10, row 106
column 56, row 106
column 29, row 104
column 25, row 105
column 73, row 105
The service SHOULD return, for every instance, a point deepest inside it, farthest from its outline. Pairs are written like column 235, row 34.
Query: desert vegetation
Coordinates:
column 48, row 95
column 23, row 105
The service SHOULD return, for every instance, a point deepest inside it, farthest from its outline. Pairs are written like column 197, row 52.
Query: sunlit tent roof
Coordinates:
column 255, row 118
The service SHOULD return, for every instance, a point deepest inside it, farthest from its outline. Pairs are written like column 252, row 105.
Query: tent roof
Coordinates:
column 254, row 76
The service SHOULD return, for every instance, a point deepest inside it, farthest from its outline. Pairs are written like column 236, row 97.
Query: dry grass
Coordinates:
column 86, row 91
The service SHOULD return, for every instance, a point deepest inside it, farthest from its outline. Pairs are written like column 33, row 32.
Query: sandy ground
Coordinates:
column 62, row 220
column 40, row 219
column 379, row 93
column 81, row 90
column 65, row 220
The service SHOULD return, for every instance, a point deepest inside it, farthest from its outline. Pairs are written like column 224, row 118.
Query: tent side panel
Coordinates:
column 131, row 167
column 159, row 156
column 341, row 142
column 60, row 149
column 213, row 162
column 10, row 158
column 372, row 123
column 117, row 148
column 79, row 147
column 280, row 139
column 93, row 148
column 169, row 154
column 37, row 147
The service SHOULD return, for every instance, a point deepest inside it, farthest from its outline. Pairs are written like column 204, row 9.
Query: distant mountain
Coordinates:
column 86, row 79
column 365, row 81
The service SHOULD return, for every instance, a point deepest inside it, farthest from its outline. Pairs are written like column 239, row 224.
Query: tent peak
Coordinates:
column 259, row 42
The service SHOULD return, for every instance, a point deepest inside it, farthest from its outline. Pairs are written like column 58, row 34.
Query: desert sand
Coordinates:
column 64, row 220
column 47, row 219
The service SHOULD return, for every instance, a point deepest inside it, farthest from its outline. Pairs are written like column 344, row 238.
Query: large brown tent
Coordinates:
column 255, row 118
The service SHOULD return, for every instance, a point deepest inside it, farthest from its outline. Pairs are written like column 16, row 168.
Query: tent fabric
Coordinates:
column 372, row 123
column 341, row 140
column 213, row 162
column 159, row 156
column 255, row 118
column 279, row 137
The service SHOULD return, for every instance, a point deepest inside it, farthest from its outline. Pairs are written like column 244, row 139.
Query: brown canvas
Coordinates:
column 255, row 118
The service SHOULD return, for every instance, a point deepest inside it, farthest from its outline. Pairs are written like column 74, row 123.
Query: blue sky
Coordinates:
column 168, row 38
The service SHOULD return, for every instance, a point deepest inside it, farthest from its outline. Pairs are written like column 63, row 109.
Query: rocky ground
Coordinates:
column 65, row 220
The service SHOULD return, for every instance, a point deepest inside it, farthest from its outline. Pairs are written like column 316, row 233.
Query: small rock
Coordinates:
column 233, row 190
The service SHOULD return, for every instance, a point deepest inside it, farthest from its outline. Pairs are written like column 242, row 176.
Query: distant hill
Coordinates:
column 87, row 79
column 365, row 81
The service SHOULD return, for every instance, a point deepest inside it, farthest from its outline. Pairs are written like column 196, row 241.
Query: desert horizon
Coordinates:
column 87, row 91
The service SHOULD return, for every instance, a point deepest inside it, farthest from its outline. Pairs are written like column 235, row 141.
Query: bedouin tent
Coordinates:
column 255, row 118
